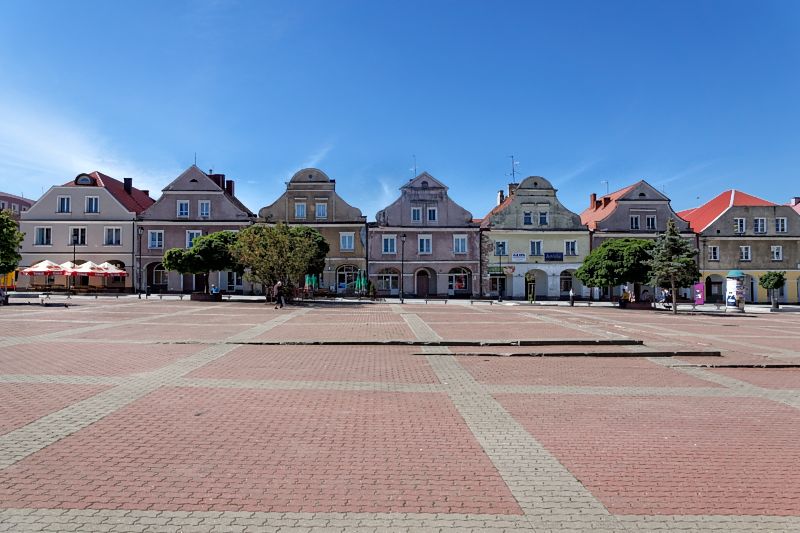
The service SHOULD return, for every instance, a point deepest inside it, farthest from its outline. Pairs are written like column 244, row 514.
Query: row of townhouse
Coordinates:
column 423, row 244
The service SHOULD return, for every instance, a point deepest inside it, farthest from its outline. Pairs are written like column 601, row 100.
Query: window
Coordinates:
column 204, row 207
column 459, row 244
column 64, row 204
column 500, row 248
column 565, row 281
column 160, row 275
column 536, row 247
column 634, row 221
column 416, row 214
column 570, row 247
column 777, row 253
column 780, row 225
column 77, row 236
column 300, row 210
column 390, row 244
column 321, row 210
column 44, row 237
column 760, row 225
column 739, row 225
column 433, row 214
column 744, row 253
column 388, row 280
column 183, row 208
column 544, row 218
column 459, row 279
column 346, row 277
column 113, row 236
column 651, row 222
column 713, row 253
column 155, row 239
column 92, row 204
column 191, row 235
column 527, row 218
column 424, row 244
column 346, row 241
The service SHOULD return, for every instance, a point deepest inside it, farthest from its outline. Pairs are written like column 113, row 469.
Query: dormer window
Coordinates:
column 84, row 180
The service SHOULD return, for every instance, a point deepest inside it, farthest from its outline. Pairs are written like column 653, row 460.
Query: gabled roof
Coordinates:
column 604, row 207
column 137, row 201
column 703, row 216
column 432, row 182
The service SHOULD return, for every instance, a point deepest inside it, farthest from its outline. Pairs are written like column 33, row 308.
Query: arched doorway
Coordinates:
column 565, row 284
column 157, row 278
column 535, row 284
column 459, row 282
column 388, row 282
column 422, row 282
column 345, row 278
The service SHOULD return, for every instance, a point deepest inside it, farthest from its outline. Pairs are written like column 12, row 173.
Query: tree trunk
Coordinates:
column 674, row 297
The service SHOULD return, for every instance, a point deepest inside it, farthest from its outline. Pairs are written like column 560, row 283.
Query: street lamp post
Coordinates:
column 74, row 244
column 501, row 281
column 402, row 264
column 140, row 232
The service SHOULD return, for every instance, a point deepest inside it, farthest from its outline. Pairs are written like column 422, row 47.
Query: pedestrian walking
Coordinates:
column 571, row 298
column 277, row 293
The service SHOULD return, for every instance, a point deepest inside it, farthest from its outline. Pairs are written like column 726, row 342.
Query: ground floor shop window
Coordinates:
column 345, row 277
column 458, row 280
column 388, row 281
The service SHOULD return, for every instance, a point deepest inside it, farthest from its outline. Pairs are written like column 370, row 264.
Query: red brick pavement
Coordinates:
column 338, row 331
column 22, row 403
column 672, row 455
column 90, row 359
column 309, row 451
column 393, row 364
column 164, row 332
column 507, row 331
column 33, row 326
column 768, row 378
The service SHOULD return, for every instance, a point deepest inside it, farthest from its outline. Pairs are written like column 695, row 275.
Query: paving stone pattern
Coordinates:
column 146, row 415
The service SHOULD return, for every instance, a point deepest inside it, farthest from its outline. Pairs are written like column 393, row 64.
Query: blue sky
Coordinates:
column 695, row 97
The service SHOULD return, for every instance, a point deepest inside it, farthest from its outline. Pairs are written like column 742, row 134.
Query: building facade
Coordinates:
column 637, row 211
column 532, row 245
column 16, row 204
column 311, row 200
column 424, row 244
column 738, row 231
column 194, row 204
column 91, row 218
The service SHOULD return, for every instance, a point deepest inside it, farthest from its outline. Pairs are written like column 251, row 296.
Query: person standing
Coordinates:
column 277, row 293
column 571, row 297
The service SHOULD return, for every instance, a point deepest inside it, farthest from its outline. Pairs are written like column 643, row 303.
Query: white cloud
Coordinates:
column 39, row 149
column 387, row 192
column 317, row 157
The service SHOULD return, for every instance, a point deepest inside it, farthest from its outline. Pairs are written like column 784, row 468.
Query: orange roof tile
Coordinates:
column 505, row 203
column 137, row 201
column 602, row 208
column 703, row 216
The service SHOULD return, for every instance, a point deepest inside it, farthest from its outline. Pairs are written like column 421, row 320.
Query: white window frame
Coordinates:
column 651, row 222
column 759, row 225
column 105, row 235
column 498, row 245
column 81, row 232
column 459, row 239
column 68, row 202
column 298, row 207
column 178, row 205
column 571, row 246
column 546, row 216
column 713, row 253
column 191, row 235
column 425, row 250
column 745, row 253
column 159, row 234
column 200, row 205
column 780, row 225
column 96, row 201
column 776, row 252
column 389, row 239
column 435, row 219
column 740, row 225
column 635, row 222
column 418, row 212
column 47, row 231
column 324, row 211
column 527, row 218
column 344, row 237
column 536, row 246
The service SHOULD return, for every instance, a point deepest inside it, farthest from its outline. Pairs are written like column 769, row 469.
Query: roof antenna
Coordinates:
column 606, row 182
column 513, row 174
column 195, row 159
column 415, row 164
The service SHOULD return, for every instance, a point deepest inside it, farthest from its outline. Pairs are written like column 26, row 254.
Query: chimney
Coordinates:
column 606, row 200
column 512, row 188
column 229, row 187
column 593, row 201
column 500, row 197
column 794, row 201
column 146, row 192
column 219, row 179
column 128, row 183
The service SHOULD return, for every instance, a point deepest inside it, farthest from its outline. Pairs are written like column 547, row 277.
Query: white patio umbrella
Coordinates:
column 112, row 270
column 43, row 268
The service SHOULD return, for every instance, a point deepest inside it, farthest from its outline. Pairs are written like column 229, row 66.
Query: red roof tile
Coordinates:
column 137, row 201
column 701, row 217
column 485, row 221
column 603, row 207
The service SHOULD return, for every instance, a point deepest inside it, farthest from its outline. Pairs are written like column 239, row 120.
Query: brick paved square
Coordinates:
column 90, row 359
column 338, row 331
column 768, row 378
column 176, row 331
column 577, row 371
column 34, row 326
column 504, row 331
column 22, row 403
column 392, row 364
column 672, row 455
column 303, row 451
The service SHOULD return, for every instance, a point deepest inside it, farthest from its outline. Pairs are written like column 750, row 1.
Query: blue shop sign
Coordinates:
column 553, row 256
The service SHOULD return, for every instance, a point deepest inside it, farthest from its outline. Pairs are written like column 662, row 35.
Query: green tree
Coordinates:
column 615, row 262
column 278, row 253
column 673, row 260
column 320, row 247
column 773, row 281
column 209, row 253
column 10, row 239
